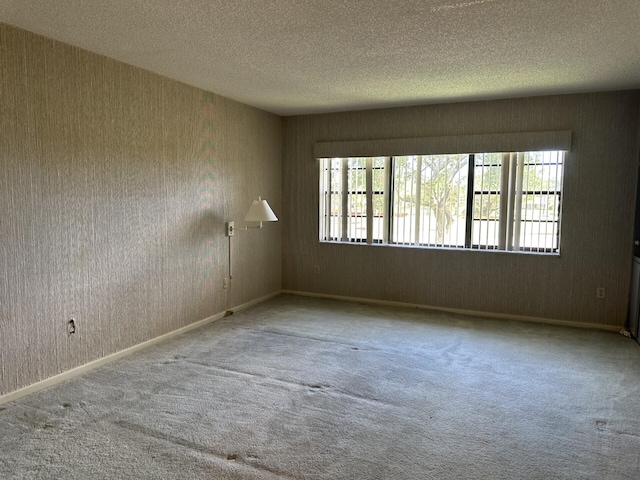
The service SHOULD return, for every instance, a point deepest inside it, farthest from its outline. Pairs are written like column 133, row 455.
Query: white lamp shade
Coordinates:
column 260, row 211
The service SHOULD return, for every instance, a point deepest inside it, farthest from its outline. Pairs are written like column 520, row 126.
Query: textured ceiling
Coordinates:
column 306, row 56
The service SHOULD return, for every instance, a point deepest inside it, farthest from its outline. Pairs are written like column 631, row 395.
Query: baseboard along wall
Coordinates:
column 74, row 372
column 506, row 316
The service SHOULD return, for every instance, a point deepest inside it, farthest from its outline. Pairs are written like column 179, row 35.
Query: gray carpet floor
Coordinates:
column 306, row 388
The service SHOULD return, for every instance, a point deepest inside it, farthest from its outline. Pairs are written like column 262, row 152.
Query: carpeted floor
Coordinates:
column 318, row 389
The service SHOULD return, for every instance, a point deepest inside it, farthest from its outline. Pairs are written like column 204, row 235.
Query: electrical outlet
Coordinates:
column 225, row 283
column 600, row 292
column 316, row 269
column 71, row 327
column 230, row 230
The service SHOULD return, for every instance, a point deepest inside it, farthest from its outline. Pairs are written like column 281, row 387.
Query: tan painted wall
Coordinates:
column 597, row 222
column 115, row 184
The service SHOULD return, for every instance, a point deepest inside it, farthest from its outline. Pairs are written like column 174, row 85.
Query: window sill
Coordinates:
column 443, row 249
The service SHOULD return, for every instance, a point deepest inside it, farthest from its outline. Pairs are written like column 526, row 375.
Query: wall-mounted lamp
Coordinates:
column 260, row 211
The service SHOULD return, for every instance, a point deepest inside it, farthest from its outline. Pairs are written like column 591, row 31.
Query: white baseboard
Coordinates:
column 507, row 316
column 74, row 372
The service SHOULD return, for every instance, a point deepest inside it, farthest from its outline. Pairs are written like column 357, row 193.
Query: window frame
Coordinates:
column 508, row 203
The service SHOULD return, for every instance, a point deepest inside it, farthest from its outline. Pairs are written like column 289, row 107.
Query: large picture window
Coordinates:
column 502, row 201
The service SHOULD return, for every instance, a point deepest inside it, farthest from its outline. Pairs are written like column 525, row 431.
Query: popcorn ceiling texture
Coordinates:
column 292, row 57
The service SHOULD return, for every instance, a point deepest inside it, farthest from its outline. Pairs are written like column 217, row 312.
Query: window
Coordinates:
column 499, row 201
column 353, row 204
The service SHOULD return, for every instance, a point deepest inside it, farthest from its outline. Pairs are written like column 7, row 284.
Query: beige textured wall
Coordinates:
column 115, row 184
column 597, row 223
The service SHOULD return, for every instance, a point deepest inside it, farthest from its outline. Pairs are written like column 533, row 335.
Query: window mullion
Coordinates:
column 517, row 213
column 404, row 209
column 470, row 195
column 482, row 199
column 504, row 202
column 387, row 201
column 369, row 194
column 416, row 238
column 511, row 199
column 558, row 197
column 345, row 200
column 327, row 198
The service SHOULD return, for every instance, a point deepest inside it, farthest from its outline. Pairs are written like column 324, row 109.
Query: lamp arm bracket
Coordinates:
column 249, row 227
